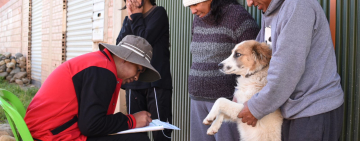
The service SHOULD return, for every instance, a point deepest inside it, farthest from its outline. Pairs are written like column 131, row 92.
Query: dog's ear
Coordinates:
column 262, row 52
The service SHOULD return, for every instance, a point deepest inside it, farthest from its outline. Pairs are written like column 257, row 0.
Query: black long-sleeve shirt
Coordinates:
column 154, row 27
column 94, row 87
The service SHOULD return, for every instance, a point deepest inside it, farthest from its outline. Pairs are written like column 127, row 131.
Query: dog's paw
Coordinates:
column 209, row 118
column 207, row 121
column 212, row 131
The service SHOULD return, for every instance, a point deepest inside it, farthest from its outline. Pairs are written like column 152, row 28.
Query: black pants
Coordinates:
column 145, row 100
column 122, row 137
column 322, row 127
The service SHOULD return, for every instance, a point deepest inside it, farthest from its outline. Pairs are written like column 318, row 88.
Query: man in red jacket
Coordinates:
column 78, row 99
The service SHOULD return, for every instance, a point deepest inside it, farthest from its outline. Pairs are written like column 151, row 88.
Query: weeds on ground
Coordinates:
column 25, row 94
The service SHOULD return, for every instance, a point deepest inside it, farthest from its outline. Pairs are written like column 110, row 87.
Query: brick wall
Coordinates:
column 110, row 20
column 3, row 2
column 115, row 29
column 10, row 27
column 25, row 31
column 25, row 28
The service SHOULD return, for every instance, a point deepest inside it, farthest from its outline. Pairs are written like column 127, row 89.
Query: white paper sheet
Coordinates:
column 153, row 126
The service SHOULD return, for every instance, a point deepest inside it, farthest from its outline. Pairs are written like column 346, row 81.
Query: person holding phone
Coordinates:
column 147, row 20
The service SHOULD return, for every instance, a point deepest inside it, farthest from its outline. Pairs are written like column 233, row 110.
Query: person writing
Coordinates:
column 77, row 100
column 149, row 21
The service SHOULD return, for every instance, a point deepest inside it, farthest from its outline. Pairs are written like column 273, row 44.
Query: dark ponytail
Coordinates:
column 152, row 2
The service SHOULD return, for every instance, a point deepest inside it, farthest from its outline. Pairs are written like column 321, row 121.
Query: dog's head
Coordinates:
column 246, row 58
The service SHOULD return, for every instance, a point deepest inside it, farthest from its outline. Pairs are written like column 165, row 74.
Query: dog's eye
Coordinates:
column 237, row 55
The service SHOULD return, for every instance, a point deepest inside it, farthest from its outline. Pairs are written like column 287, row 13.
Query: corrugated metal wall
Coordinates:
column 348, row 59
column 36, row 39
column 252, row 10
column 347, row 51
column 180, row 19
column 79, row 28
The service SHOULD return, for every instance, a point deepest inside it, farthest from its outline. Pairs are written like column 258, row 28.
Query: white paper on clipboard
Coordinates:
column 153, row 126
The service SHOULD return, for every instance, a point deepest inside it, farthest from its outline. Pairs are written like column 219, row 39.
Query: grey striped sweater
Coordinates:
column 211, row 44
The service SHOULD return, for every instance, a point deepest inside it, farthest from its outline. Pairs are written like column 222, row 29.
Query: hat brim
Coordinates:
column 150, row 73
column 192, row 2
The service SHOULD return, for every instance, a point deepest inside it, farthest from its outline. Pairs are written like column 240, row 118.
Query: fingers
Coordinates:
column 148, row 121
column 243, row 120
column 134, row 7
column 247, row 119
column 250, row 3
column 148, row 118
column 128, row 3
column 132, row 3
column 248, row 122
column 143, row 118
column 240, row 115
column 254, row 123
column 135, row 3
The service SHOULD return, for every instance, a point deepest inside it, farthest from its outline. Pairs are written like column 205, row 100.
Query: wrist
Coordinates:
column 131, row 121
column 135, row 16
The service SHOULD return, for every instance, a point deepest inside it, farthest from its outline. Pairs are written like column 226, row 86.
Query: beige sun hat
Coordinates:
column 191, row 2
column 136, row 50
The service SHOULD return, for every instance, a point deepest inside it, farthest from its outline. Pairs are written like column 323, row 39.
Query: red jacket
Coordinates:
column 77, row 100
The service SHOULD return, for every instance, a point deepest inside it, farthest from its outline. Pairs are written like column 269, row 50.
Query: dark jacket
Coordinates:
column 154, row 27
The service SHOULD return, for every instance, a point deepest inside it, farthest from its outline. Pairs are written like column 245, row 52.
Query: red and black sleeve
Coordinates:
column 94, row 88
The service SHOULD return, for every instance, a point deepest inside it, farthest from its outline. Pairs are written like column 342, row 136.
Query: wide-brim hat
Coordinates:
column 136, row 50
column 191, row 2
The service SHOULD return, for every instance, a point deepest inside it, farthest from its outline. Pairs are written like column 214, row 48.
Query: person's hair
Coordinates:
column 216, row 8
column 142, row 4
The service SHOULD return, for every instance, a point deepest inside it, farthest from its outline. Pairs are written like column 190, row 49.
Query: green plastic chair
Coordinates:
column 15, row 114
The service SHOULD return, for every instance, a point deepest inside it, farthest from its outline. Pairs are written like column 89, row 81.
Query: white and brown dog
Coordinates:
column 249, row 59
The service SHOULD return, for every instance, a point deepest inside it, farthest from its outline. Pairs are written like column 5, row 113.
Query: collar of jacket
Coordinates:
column 274, row 4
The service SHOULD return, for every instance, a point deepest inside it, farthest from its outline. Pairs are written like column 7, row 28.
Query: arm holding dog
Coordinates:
column 246, row 116
column 288, row 62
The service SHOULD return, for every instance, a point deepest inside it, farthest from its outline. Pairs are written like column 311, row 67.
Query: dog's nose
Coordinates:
column 220, row 66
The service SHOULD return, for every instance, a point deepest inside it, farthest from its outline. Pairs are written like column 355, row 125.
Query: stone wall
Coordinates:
column 13, row 68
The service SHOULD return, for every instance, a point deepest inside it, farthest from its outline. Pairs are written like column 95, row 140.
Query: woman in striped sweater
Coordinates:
column 217, row 27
